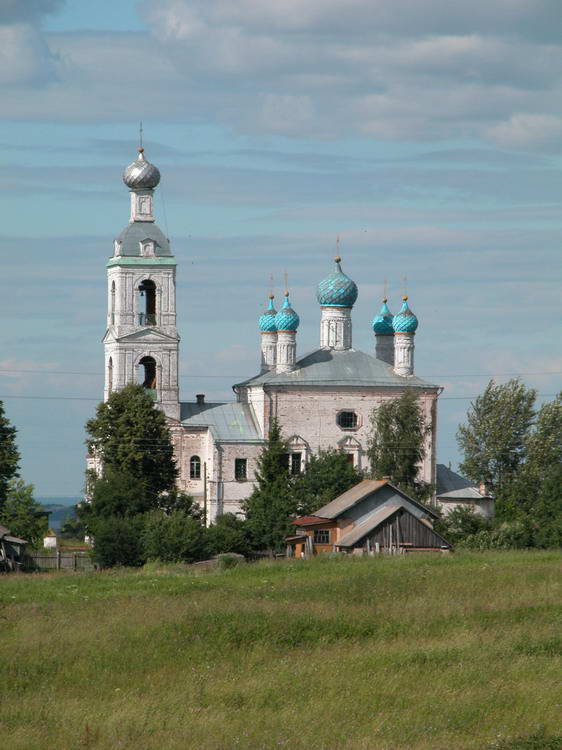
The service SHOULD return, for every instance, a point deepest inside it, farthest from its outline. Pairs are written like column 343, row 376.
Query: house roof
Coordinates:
column 360, row 491
column 373, row 521
column 14, row 539
column 452, row 485
column 310, row 521
column 362, row 529
column 329, row 367
column 230, row 422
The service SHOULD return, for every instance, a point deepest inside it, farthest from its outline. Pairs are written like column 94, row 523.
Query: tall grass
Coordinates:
column 460, row 651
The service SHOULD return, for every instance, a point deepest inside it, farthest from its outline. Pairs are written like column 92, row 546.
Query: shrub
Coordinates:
column 229, row 533
column 177, row 537
column 228, row 560
column 117, row 541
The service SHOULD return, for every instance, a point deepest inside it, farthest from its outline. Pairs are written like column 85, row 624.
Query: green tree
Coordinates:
column 493, row 442
column 397, row 443
column 131, row 438
column 229, row 533
column 73, row 527
column 543, row 446
column 547, row 510
column 118, row 541
column 23, row 515
column 271, row 505
column 177, row 537
column 116, row 493
column 9, row 455
column 326, row 476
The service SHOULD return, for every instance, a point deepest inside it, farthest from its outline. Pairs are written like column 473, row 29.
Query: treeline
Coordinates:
column 135, row 512
column 515, row 450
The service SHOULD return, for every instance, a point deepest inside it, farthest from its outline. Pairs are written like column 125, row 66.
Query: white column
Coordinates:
column 268, row 351
column 335, row 328
column 384, row 347
column 404, row 353
column 286, row 350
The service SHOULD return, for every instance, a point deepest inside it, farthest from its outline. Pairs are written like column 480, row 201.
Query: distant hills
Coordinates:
column 59, row 508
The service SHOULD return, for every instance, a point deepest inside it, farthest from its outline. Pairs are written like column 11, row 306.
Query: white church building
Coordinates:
column 322, row 399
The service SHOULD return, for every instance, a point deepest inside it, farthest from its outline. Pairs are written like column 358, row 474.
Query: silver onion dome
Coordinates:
column 141, row 173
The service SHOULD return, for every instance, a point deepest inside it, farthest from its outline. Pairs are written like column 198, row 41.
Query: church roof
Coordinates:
column 452, row 485
column 229, row 422
column 138, row 231
column 330, row 367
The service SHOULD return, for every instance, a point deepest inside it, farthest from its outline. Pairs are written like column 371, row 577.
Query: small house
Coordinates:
column 50, row 539
column 373, row 516
column 12, row 550
column 454, row 491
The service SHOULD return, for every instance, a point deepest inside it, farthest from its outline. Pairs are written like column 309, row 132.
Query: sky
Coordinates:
column 428, row 136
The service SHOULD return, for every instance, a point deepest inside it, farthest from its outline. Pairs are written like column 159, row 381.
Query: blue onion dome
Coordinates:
column 405, row 321
column 382, row 323
column 267, row 320
column 141, row 174
column 337, row 289
column 287, row 319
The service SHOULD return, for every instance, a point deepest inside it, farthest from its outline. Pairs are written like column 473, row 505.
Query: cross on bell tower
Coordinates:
column 141, row 342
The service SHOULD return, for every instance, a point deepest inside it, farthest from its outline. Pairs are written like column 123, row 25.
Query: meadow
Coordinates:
column 426, row 652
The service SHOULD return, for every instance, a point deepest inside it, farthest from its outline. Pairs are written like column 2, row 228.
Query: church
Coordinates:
column 321, row 399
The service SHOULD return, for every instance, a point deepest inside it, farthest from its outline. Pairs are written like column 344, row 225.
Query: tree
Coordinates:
column 9, row 455
column 397, row 443
column 116, row 493
column 177, row 537
column 547, row 511
column 326, row 476
column 271, row 505
column 543, row 446
column 118, row 541
column 131, row 438
column 23, row 515
column 493, row 442
column 73, row 527
column 229, row 533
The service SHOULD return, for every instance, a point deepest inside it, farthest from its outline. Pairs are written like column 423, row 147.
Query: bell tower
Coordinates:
column 141, row 342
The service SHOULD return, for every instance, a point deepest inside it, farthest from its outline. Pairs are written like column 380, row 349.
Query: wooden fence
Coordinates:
column 62, row 560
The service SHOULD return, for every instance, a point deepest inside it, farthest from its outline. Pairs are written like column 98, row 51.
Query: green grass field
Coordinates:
column 460, row 651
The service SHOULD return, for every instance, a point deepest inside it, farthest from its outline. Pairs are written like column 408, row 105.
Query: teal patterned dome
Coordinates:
column 337, row 289
column 382, row 323
column 405, row 321
column 287, row 319
column 267, row 320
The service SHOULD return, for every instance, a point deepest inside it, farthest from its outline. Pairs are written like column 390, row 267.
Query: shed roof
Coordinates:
column 230, row 422
column 370, row 524
column 328, row 367
column 360, row 491
column 454, row 486
column 14, row 539
column 310, row 521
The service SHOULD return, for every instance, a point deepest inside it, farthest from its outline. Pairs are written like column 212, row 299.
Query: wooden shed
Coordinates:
column 373, row 516
column 12, row 550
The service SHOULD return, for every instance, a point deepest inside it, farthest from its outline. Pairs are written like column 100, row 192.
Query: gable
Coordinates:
column 148, row 335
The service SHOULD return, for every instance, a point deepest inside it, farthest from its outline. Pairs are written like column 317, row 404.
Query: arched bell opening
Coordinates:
column 112, row 311
column 147, row 373
column 147, row 303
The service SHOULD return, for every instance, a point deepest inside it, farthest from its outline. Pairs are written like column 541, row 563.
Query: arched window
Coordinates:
column 195, row 467
column 110, row 375
column 147, row 303
column 112, row 302
column 147, row 375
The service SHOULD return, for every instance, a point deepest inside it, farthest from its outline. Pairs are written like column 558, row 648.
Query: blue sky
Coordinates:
column 428, row 138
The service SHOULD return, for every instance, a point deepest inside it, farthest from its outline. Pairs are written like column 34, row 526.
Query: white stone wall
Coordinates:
column 286, row 351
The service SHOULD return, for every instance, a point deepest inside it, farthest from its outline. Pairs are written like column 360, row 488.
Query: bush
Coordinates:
column 461, row 523
column 229, row 533
column 177, row 537
column 228, row 560
column 514, row 535
column 118, row 541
